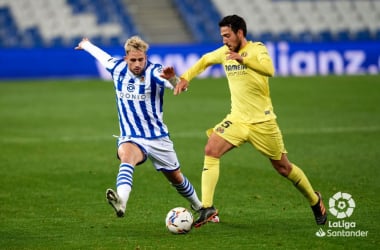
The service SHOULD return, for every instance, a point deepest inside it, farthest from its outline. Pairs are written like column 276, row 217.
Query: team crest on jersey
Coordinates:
column 244, row 54
column 130, row 87
column 159, row 68
column 220, row 130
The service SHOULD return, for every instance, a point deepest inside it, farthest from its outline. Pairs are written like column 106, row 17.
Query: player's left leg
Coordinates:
column 164, row 159
column 184, row 187
column 296, row 176
column 301, row 182
column 267, row 138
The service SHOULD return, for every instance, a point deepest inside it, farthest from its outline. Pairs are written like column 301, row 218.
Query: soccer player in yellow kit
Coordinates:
column 248, row 67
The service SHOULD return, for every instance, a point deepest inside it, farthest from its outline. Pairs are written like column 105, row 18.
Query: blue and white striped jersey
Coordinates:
column 139, row 98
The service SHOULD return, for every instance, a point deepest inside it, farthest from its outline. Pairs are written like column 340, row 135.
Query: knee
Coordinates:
column 175, row 178
column 212, row 151
column 131, row 154
column 124, row 157
column 282, row 168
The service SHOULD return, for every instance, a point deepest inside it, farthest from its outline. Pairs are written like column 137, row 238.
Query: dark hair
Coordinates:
column 235, row 22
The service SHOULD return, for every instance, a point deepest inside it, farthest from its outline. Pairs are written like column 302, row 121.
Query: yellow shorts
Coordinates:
column 266, row 136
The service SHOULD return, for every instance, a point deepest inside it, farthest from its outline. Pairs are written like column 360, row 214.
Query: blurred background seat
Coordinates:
column 48, row 23
column 314, row 20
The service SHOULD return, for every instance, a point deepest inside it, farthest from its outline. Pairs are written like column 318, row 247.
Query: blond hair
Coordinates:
column 135, row 43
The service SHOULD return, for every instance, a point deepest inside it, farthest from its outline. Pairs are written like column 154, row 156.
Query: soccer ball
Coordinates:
column 179, row 220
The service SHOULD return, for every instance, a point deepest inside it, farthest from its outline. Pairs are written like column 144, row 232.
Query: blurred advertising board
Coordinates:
column 290, row 59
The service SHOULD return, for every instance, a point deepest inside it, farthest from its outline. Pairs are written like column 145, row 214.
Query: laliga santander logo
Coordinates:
column 341, row 205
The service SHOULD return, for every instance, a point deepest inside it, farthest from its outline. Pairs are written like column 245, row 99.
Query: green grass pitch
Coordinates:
column 57, row 157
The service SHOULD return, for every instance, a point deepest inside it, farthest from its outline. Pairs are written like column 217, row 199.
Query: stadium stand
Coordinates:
column 202, row 18
column 49, row 23
column 60, row 22
column 159, row 21
column 306, row 20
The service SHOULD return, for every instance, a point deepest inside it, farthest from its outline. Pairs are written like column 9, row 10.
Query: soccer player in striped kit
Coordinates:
column 139, row 86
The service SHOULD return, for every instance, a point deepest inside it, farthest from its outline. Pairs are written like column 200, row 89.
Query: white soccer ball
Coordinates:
column 179, row 220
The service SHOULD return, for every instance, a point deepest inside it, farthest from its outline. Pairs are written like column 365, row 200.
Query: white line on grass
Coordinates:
column 185, row 134
column 331, row 130
column 297, row 131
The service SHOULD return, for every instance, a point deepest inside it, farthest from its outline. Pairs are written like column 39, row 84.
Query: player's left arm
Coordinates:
column 166, row 76
column 168, row 73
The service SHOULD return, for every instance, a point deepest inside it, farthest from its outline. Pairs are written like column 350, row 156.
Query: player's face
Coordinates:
column 136, row 61
column 230, row 39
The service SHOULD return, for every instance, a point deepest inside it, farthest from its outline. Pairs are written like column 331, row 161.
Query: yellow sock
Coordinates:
column 210, row 176
column 300, row 181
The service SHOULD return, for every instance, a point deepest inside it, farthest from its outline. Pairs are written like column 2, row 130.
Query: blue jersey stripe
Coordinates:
column 147, row 119
column 121, row 78
column 121, row 122
column 142, row 89
column 137, row 119
column 125, row 116
column 160, row 96
column 160, row 124
column 122, row 73
column 153, row 101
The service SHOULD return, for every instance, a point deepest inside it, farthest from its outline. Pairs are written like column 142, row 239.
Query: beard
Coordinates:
column 238, row 46
column 137, row 71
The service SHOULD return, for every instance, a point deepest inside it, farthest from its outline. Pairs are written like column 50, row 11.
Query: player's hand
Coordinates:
column 79, row 47
column 231, row 55
column 181, row 86
column 167, row 73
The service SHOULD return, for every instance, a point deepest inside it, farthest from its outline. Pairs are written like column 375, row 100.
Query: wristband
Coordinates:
column 174, row 80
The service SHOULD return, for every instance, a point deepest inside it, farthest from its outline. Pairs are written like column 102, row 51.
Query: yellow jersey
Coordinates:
column 248, row 81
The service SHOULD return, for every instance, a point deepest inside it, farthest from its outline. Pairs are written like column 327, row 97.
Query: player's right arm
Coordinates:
column 103, row 57
column 208, row 59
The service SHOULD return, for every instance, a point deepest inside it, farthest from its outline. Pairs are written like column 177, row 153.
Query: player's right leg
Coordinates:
column 210, row 176
column 130, row 154
column 115, row 201
column 222, row 138
column 207, row 214
column 118, row 199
